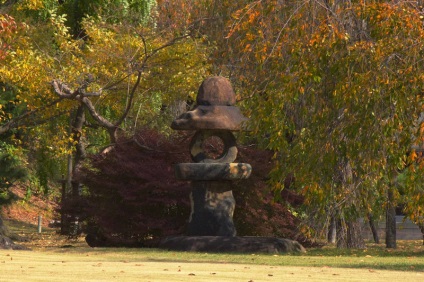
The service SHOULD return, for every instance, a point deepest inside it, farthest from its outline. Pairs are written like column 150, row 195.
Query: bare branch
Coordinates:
column 63, row 90
column 130, row 100
column 96, row 116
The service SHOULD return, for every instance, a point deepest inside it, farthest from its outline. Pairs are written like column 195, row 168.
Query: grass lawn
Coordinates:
column 101, row 264
column 55, row 258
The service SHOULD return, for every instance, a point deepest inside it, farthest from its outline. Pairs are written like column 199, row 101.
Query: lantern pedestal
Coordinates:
column 212, row 201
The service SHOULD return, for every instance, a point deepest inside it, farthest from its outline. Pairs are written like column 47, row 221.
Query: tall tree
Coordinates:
column 118, row 73
column 334, row 88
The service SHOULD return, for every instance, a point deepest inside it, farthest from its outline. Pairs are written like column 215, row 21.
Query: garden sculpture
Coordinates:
column 214, row 116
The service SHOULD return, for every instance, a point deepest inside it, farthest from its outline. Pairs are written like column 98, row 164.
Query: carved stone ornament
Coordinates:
column 214, row 108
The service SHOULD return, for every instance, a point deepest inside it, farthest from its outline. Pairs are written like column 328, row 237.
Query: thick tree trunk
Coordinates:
column 390, row 220
column 349, row 234
column 373, row 229
column 348, row 230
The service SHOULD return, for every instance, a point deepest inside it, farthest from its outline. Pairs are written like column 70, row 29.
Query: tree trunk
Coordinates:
column 64, row 227
column 71, row 225
column 79, row 156
column 373, row 229
column 340, row 233
column 349, row 234
column 3, row 228
column 348, row 230
column 390, row 220
column 331, row 236
column 421, row 226
column 66, row 186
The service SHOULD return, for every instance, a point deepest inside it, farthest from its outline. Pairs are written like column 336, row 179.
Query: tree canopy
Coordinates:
column 335, row 89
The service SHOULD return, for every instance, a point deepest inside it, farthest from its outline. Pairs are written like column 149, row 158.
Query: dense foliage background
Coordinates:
column 333, row 90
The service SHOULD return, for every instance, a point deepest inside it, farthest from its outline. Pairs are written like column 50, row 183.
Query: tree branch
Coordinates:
column 14, row 123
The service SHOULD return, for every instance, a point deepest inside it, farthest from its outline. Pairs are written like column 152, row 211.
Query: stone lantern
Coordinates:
column 214, row 116
column 211, row 227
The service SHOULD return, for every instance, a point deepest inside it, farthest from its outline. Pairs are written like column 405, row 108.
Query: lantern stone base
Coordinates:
column 212, row 209
column 218, row 244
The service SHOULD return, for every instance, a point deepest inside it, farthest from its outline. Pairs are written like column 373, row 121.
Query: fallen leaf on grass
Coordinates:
column 371, row 270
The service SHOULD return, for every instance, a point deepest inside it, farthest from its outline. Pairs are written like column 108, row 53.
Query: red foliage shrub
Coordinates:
column 133, row 196
column 132, row 192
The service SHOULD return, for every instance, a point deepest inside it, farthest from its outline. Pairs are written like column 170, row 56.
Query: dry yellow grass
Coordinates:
column 73, row 265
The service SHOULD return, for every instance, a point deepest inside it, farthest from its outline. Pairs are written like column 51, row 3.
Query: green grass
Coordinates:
column 139, row 265
column 408, row 257
column 121, row 264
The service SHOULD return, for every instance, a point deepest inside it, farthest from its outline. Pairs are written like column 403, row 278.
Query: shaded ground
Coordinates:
column 28, row 210
column 21, row 218
column 49, row 238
